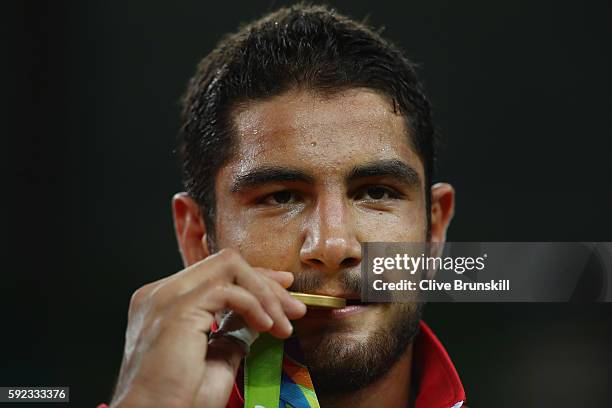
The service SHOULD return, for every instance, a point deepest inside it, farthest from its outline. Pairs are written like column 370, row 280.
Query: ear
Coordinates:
column 189, row 229
column 442, row 210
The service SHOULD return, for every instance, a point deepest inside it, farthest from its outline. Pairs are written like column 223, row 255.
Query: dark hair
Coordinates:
column 303, row 46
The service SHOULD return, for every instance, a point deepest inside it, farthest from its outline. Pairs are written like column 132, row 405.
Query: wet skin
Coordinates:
column 312, row 176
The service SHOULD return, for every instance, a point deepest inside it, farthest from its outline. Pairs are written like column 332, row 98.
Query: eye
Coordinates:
column 280, row 198
column 376, row 193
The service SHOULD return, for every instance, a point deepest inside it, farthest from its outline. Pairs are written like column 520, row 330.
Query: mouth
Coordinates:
column 353, row 305
column 319, row 301
column 354, row 302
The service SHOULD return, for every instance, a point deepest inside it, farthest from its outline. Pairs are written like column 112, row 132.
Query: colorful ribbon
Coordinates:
column 275, row 375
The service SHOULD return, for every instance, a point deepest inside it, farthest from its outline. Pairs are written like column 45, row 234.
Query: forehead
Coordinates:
column 321, row 134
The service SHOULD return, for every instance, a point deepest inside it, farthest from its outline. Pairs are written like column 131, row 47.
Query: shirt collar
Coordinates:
column 435, row 378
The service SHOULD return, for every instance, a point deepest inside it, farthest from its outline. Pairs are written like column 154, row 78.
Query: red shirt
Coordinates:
column 436, row 381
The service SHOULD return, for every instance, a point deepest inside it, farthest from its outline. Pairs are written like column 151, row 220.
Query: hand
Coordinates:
column 168, row 360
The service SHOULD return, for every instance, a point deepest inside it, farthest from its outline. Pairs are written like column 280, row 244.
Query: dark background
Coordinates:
column 521, row 92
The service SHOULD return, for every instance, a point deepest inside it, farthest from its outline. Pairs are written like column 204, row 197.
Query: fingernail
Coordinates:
column 268, row 321
column 297, row 302
column 287, row 274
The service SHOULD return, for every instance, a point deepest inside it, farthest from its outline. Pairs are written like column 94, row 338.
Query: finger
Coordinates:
column 142, row 294
column 281, row 326
column 226, row 350
column 181, row 340
column 222, row 362
column 259, row 286
column 209, row 270
column 228, row 296
column 294, row 309
column 243, row 302
column 227, row 266
column 285, row 279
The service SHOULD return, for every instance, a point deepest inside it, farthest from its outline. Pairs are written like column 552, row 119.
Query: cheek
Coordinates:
column 262, row 242
column 406, row 224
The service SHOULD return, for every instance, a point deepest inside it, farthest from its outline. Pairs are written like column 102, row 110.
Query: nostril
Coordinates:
column 349, row 262
column 316, row 261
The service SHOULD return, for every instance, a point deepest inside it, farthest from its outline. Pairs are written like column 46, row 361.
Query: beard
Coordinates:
column 341, row 363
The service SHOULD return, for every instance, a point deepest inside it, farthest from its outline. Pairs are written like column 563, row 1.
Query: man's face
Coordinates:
column 312, row 178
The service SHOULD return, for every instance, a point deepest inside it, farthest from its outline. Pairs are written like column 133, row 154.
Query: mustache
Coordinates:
column 312, row 281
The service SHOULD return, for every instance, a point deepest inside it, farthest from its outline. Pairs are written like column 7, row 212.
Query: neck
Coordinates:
column 392, row 390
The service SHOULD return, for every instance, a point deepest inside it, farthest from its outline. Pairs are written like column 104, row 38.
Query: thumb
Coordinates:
column 226, row 349
column 222, row 361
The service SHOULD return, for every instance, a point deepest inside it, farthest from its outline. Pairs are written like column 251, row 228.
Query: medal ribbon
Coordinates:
column 275, row 375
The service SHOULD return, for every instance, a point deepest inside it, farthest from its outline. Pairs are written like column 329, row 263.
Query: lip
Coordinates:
column 345, row 312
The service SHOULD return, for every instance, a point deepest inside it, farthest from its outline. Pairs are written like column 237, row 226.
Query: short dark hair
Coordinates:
column 303, row 46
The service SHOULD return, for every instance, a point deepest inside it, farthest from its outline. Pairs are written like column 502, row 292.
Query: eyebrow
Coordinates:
column 386, row 168
column 381, row 168
column 264, row 175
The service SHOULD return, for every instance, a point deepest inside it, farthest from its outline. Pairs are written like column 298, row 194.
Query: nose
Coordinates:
column 330, row 242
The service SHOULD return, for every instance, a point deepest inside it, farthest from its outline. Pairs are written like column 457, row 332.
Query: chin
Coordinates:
column 343, row 358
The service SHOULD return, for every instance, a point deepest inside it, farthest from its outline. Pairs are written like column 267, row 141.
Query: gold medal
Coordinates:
column 322, row 301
